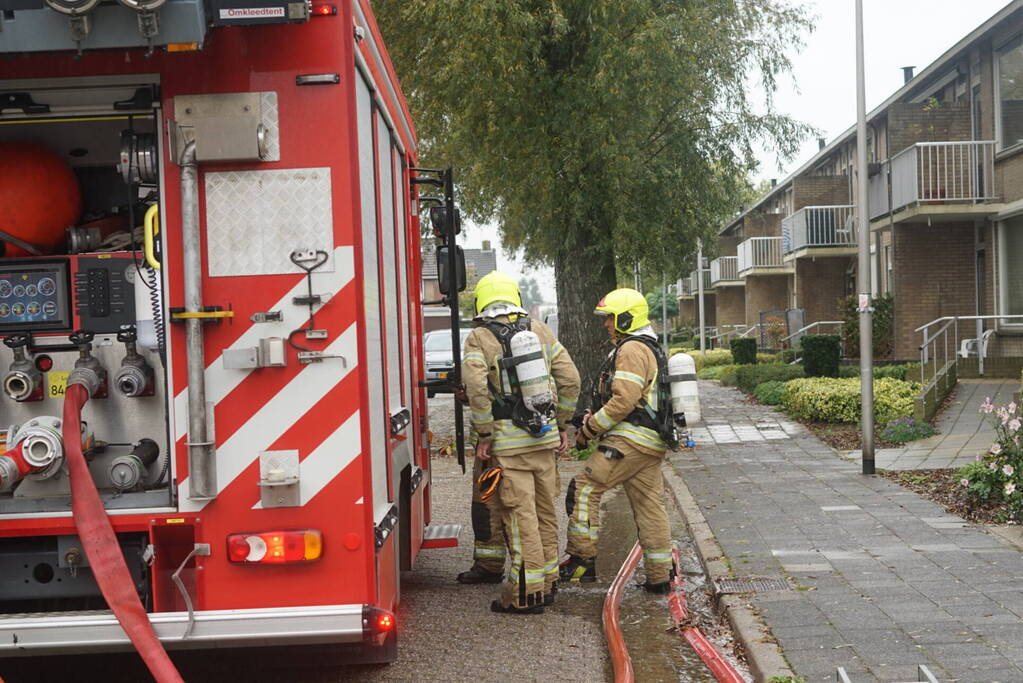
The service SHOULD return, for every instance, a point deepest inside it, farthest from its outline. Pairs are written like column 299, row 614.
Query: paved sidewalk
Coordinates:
column 883, row 579
column 963, row 431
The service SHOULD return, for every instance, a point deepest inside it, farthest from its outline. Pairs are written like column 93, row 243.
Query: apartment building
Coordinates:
column 945, row 207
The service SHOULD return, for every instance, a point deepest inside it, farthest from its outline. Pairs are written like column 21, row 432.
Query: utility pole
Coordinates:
column 638, row 286
column 699, row 289
column 863, row 266
column 664, row 310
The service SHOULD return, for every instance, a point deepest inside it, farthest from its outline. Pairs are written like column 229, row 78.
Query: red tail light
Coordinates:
column 385, row 622
column 275, row 547
column 324, row 10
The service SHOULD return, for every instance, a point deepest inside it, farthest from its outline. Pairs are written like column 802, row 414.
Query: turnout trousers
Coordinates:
column 529, row 486
column 487, row 527
column 640, row 474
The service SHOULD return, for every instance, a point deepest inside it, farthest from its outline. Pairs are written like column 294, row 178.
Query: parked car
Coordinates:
column 437, row 350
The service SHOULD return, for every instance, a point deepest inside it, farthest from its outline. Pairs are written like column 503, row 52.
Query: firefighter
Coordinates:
column 630, row 447
column 517, row 440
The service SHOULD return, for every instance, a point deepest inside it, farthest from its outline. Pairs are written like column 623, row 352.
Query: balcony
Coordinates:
column 684, row 288
column 760, row 253
column 820, row 227
column 725, row 271
column 694, row 284
column 943, row 173
column 877, row 191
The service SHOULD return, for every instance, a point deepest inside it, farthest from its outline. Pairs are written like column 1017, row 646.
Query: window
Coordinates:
column 1010, row 257
column 1010, row 94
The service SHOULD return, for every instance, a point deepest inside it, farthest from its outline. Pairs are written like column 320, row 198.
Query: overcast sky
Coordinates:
column 822, row 91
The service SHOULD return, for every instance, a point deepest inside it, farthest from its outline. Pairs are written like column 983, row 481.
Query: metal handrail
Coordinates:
column 953, row 171
column 805, row 328
column 819, row 226
column 760, row 252
column 930, row 339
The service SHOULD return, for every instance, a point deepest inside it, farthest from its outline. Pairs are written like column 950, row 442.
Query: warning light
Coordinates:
column 324, row 10
column 44, row 363
column 275, row 547
column 385, row 622
column 182, row 47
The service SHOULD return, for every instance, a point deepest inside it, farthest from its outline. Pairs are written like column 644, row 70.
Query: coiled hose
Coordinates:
column 156, row 303
column 103, row 550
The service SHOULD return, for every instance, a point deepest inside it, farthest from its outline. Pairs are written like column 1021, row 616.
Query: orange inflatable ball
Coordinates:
column 39, row 196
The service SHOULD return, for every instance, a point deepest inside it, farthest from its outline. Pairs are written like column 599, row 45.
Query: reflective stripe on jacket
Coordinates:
column 634, row 381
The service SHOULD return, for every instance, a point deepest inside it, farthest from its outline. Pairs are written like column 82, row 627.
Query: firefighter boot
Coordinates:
column 550, row 595
column 578, row 569
column 496, row 606
column 477, row 574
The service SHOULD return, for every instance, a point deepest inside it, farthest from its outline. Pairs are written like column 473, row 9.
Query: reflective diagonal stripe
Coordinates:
column 474, row 355
column 277, row 415
column 566, row 403
column 556, row 350
column 328, row 459
column 630, row 377
column 221, row 381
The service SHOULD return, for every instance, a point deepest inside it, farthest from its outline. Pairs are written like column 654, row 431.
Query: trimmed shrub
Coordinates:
column 715, row 357
column 770, row 393
column 825, row 399
column 768, row 358
column 749, row 376
column 744, row 351
column 728, row 376
column 713, row 372
column 821, row 353
column 788, row 355
column 897, row 371
column 907, row 429
column 848, row 371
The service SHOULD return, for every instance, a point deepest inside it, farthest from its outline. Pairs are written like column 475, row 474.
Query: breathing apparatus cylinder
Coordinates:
column 534, row 381
column 685, row 394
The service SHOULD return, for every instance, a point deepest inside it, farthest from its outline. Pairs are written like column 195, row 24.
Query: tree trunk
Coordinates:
column 583, row 277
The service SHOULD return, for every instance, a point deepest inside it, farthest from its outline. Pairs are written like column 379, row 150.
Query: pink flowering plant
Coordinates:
column 996, row 478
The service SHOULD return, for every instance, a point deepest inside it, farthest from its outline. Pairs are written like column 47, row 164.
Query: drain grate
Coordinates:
column 755, row 585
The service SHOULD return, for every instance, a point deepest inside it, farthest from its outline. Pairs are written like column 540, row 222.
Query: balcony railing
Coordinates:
column 724, row 269
column 943, row 172
column 877, row 191
column 694, row 284
column 819, row 226
column 684, row 287
column 760, row 252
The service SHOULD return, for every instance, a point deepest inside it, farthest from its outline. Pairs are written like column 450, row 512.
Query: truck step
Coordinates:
column 441, row 536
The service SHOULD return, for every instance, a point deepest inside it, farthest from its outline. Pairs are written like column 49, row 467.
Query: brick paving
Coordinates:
column 883, row 579
column 963, row 431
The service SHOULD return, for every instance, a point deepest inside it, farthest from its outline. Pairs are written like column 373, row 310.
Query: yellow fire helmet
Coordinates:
column 629, row 308
column 496, row 286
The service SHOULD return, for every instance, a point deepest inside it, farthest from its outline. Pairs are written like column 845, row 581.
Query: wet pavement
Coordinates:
column 881, row 579
column 447, row 631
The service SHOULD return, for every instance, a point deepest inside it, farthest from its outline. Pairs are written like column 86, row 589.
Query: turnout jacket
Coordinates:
column 480, row 372
column 633, row 384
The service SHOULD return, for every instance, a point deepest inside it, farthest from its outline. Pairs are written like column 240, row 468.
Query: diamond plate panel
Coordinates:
column 255, row 219
column 755, row 585
column 268, row 117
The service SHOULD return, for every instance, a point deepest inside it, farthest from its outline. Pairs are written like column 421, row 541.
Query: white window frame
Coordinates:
column 1003, row 263
column 1011, row 44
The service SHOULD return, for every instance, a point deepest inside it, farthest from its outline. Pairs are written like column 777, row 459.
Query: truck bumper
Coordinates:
column 72, row 632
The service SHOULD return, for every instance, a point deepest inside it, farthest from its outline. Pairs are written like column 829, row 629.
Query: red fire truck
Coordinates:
column 209, row 302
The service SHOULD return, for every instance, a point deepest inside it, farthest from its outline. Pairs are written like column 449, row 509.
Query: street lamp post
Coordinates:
column 863, row 266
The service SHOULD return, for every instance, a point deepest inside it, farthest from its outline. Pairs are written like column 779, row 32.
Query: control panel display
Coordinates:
column 34, row 296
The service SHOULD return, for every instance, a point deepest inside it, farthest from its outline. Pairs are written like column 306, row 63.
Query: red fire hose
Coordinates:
column 102, row 549
column 620, row 659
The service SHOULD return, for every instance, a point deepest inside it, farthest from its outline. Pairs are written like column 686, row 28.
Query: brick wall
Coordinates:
column 821, row 190
column 765, row 293
column 730, row 305
column 687, row 312
column 728, row 245
column 935, row 271
column 1009, row 178
column 910, row 122
column 761, row 225
column 819, row 284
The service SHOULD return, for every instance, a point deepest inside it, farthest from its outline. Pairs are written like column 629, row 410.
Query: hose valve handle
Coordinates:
column 81, row 338
column 18, row 340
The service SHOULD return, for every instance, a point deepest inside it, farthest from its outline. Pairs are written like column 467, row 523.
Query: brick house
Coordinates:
column 945, row 205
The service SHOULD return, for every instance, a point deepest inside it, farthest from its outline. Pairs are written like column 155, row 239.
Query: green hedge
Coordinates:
column 744, row 351
column 768, row 358
column 770, row 393
column 749, row 376
column 709, row 358
column 825, row 399
column 898, row 371
column 821, row 353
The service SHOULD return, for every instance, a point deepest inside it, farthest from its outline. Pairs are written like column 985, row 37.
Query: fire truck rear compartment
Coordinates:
column 52, row 573
column 107, row 134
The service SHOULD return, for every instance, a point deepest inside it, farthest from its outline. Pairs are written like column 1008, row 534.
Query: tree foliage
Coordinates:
column 529, row 289
column 656, row 300
column 594, row 132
